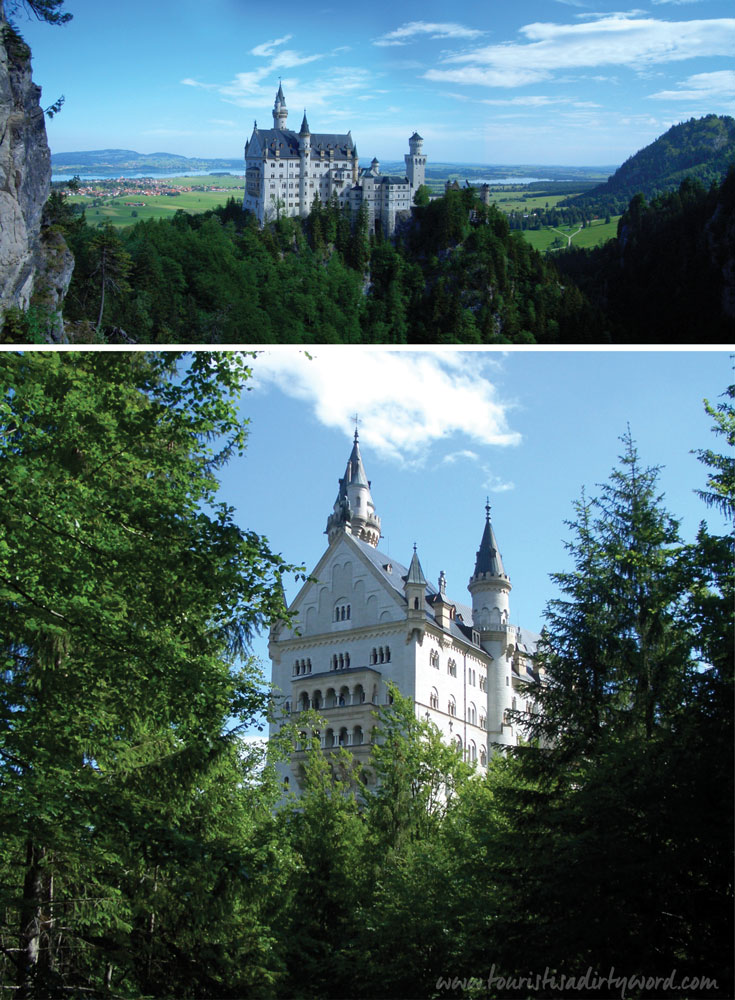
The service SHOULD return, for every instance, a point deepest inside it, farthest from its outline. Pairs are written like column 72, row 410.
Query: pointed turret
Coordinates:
column 304, row 130
column 280, row 111
column 489, row 584
column 414, row 587
column 488, row 558
column 490, row 589
column 354, row 510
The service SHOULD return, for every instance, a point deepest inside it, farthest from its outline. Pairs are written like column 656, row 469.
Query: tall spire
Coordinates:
column 280, row 111
column 489, row 584
column 354, row 510
column 489, row 560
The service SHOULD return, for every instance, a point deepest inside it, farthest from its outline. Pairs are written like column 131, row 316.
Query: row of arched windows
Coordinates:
column 343, row 737
column 340, row 661
column 434, row 658
column 381, row 654
column 302, row 667
column 342, row 612
column 452, row 667
column 335, row 697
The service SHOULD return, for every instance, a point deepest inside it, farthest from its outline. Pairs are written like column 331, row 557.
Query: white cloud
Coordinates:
column 413, row 29
column 455, row 456
column 539, row 101
column 617, row 39
column 266, row 49
column 407, row 401
column 702, row 86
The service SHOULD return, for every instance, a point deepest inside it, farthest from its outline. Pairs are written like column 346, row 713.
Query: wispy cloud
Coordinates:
column 415, row 29
column 702, row 86
column 407, row 401
column 253, row 88
column 266, row 49
column 617, row 39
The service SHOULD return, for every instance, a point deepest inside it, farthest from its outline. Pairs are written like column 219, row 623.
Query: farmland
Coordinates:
column 124, row 201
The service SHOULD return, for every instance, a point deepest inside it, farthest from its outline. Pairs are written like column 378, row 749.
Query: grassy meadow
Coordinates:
column 595, row 234
column 102, row 207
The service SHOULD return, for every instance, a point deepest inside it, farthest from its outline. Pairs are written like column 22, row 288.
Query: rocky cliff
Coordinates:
column 35, row 264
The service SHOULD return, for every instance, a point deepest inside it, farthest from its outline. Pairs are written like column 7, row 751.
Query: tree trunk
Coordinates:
column 31, row 916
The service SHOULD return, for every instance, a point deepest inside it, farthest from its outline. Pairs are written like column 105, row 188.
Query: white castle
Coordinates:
column 363, row 620
column 286, row 170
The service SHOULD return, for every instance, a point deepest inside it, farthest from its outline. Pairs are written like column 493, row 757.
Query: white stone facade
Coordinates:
column 368, row 620
column 286, row 170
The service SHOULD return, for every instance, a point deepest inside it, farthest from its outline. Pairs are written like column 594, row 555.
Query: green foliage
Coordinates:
column 667, row 273
column 701, row 149
column 44, row 10
column 126, row 592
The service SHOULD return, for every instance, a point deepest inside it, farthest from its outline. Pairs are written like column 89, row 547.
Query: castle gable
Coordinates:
column 350, row 588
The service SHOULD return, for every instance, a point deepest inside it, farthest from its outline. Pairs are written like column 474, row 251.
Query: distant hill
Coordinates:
column 702, row 148
column 116, row 161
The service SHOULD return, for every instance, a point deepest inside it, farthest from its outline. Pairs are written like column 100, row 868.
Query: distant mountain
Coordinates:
column 702, row 148
column 116, row 161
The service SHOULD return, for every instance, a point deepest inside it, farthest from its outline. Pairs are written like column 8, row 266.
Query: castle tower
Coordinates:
column 354, row 510
column 304, row 154
column 490, row 589
column 415, row 162
column 280, row 111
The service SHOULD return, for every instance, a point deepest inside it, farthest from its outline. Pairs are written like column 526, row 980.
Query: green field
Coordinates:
column 115, row 211
column 595, row 234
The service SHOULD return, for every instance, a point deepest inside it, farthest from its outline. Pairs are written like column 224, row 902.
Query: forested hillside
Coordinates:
column 702, row 149
column 455, row 272
column 669, row 276
column 146, row 850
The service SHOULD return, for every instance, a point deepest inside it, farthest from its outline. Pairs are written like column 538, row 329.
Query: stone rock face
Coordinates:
column 25, row 179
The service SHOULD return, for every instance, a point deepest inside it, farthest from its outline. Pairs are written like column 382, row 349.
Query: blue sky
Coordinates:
column 568, row 82
column 442, row 430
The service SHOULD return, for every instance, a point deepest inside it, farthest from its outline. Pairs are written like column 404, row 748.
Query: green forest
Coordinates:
column 147, row 850
column 454, row 274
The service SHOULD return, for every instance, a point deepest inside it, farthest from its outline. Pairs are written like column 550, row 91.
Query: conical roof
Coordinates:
column 279, row 96
column 304, row 126
column 355, row 471
column 489, row 560
column 415, row 573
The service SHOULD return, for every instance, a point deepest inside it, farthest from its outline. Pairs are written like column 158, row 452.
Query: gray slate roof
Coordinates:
column 459, row 629
column 288, row 142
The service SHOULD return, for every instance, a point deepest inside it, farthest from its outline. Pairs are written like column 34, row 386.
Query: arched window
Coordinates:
column 287, row 707
column 416, row 603
column 473, row 752
column 483, row 722
column 434, row 658
column 452, row 668
column 387, row 654
column 452, row 705
column 483, row 756
column 349, row 609
column 434, row 698
column 472, row 714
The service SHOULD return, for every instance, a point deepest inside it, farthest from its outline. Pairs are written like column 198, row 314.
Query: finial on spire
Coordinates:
column 487, row 508
column 356, row 418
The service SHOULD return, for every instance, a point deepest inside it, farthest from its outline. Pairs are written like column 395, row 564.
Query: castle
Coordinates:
column 286, row 170
column 363, row 620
